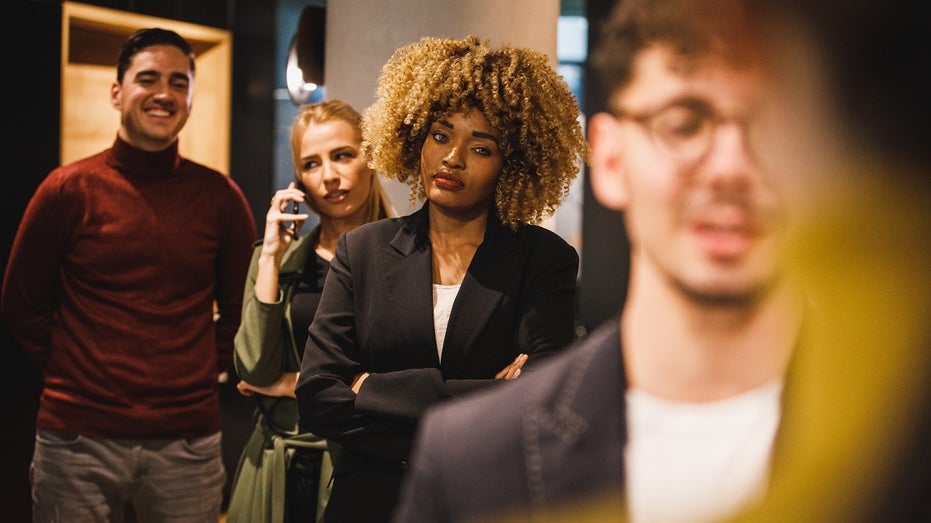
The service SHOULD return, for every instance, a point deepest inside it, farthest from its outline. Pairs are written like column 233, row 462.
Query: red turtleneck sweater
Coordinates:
column 110, row 289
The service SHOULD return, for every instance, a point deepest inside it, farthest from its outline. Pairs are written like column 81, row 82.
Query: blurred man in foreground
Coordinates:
column 675, row 406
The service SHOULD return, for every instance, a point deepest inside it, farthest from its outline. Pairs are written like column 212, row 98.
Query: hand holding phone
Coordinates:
column 295, row 209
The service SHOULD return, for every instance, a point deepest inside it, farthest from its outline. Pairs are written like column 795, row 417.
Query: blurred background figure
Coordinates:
column 282, row 291
column 124, row 286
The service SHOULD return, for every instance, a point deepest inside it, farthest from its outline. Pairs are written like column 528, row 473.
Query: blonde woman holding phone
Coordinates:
column 283, row 475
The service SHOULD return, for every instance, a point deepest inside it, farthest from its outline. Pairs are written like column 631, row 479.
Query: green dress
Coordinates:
column 265, row 348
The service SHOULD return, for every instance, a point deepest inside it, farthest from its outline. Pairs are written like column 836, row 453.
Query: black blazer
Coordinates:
column 555, row 435
column 376, row 316
column 550, row 444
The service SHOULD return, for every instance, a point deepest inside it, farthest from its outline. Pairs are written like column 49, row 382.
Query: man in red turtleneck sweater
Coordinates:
column 110, row 289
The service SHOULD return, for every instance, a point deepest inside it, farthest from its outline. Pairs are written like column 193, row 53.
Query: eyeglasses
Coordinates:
column 684, row 130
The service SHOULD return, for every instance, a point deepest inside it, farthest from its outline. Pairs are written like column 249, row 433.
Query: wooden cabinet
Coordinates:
column 91, row 40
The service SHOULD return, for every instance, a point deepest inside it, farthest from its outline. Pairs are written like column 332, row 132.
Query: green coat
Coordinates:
column 265, row 348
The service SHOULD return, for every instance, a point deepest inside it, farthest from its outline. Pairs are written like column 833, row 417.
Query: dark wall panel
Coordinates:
column 605, row 248
column 253, row 112
column 31, row 138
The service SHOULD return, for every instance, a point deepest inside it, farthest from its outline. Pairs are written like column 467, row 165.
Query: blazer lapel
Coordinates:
column 492, row 268
column 574, row 442
column 407, row 270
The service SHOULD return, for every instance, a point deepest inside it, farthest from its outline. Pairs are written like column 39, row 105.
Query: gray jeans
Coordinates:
column 78, row 479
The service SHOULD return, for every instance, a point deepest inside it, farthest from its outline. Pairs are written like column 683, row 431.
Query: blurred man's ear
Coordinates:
column 115, row 95
column 606, row 172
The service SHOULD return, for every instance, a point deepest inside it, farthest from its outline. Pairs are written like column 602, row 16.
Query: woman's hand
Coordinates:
column 357, row 381
column 281, row 224
column 513, row 370
column 278, row 236
column 284, row 387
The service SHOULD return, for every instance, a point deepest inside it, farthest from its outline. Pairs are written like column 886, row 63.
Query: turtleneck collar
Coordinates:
column 136, row 162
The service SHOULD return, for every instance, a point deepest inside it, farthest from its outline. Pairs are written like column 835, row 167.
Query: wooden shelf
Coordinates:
column 97, row 43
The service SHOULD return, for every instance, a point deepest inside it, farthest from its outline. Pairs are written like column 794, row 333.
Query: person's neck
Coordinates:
column 681, row 349
column 454, row 240
column 330, row 231
column 145, row 144
column 449, row 230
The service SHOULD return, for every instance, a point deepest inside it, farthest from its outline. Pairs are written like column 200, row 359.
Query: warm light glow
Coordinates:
column 300, row 91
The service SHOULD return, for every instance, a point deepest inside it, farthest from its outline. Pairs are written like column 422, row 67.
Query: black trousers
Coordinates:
column 302, row 485
column 365, row 490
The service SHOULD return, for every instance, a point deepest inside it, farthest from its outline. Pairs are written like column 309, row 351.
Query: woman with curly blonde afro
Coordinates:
column 514, row 88
column 466, row 291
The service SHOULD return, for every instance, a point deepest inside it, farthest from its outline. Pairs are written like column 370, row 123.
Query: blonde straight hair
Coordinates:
column 378, row 204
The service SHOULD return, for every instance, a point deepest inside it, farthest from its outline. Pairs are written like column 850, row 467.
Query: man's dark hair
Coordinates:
column 148, row 37
column 689, row 28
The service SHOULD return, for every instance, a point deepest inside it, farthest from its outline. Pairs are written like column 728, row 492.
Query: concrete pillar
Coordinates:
column 362, row 34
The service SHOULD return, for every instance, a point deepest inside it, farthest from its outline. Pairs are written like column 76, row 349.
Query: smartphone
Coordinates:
column 296, row 209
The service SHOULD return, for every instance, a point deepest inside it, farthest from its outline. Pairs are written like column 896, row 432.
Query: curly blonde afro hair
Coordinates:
column 516, row 89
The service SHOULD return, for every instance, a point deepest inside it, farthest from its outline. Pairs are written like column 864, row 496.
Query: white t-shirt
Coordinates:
column 699, row 462
column 443, row 298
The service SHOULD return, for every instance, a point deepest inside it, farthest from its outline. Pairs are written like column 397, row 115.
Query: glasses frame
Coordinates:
column 710, row 117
